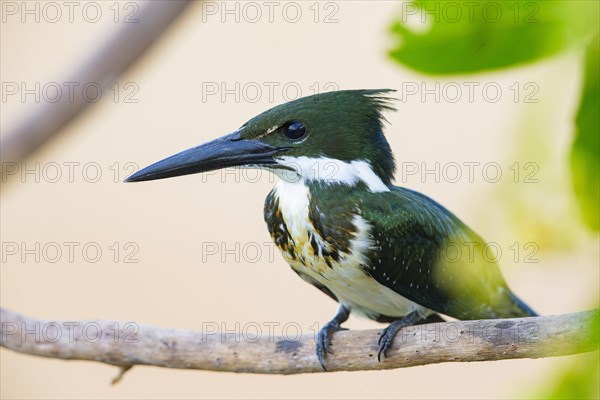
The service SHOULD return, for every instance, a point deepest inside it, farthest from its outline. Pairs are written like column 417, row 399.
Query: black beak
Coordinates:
column 227, row 151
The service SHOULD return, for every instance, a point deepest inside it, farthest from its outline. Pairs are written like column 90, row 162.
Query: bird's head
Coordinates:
column 336, row 136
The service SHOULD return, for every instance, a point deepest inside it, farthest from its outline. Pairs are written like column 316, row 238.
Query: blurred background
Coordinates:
column 496, row 120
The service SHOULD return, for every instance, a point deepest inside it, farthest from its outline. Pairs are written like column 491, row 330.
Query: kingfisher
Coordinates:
column 385, row 252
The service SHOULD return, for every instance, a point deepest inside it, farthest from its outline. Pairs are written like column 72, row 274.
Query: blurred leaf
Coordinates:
column 468, row 37
column 585, row 155
column 578, row 382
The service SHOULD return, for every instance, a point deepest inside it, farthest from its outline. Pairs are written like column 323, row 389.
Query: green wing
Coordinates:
column 426, row 254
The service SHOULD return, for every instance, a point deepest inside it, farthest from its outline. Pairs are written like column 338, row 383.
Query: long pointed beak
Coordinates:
column 227, row 151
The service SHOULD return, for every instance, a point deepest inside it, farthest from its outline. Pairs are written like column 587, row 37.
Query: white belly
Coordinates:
column 360, row 292
column 345, row 278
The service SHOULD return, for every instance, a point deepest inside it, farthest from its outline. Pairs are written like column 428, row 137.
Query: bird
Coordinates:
column 381, row 251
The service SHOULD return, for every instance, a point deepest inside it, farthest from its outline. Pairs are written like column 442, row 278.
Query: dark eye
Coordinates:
column 294, row 130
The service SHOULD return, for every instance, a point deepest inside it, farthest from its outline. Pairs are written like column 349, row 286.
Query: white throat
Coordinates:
column 329, row 171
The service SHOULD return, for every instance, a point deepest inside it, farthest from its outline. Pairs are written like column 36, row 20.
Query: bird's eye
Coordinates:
column 294, row 130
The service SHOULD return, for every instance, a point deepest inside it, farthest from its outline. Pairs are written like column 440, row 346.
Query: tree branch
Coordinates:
column 127, row 344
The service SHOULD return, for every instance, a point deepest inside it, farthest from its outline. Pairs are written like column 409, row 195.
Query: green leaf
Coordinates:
column 585, row 154
column 467, row 37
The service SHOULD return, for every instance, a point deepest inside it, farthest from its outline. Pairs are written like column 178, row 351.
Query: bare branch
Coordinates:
column 129, row 344
column 111, row 60
column 126, row 344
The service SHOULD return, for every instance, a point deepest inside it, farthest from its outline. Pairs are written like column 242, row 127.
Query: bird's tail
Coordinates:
column 518, row 308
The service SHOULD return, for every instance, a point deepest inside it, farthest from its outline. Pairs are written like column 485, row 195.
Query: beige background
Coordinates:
column 173, row 221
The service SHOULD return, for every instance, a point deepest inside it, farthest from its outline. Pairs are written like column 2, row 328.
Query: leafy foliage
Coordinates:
column 585, row 156
column 471, row 37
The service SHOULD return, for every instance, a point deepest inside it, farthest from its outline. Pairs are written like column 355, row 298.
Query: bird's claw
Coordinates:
column 385, row 342
column 323, row 338
column 388, row 334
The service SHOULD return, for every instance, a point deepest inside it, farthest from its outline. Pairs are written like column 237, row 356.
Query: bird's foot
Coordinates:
column 323, row 338
column 387, row 336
